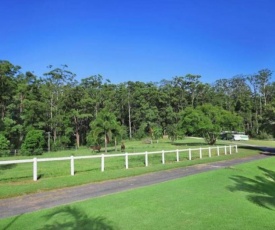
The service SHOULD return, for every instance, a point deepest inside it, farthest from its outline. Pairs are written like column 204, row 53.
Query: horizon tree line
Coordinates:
column 67, row 113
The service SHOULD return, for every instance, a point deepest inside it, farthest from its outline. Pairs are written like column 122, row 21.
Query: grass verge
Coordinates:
column 17, row 180
column 240, row 197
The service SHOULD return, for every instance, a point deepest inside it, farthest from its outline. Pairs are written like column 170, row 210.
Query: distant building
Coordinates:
column 234, row 135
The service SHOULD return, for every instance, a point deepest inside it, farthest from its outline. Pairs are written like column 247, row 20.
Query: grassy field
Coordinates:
column 240, row 197
column 16, row 179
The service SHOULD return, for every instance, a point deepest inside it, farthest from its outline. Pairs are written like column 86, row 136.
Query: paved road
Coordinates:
column 37, row 201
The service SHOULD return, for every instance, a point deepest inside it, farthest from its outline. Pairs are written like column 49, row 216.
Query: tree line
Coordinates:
column 61, row 111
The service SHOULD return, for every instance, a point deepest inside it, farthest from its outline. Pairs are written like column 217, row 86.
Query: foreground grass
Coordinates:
column 240, row 197
column 17, row 180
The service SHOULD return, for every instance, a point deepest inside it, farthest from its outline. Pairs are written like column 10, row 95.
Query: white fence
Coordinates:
column 35, row 160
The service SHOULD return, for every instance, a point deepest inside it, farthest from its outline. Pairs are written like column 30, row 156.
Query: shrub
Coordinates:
column 264, row 136
column 4, row 145
column 33, row 143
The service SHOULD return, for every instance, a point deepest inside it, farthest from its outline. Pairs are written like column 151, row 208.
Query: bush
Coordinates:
column 4, row 146
column 33, row 143
column 264, row 136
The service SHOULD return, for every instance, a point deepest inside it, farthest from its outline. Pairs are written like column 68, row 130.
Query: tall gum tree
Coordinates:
column 55, row 81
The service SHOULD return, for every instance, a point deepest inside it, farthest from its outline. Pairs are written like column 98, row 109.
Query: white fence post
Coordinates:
column 102, row 162
column 236, row 146
column 200, row 153
column 178, row 157
column 35, row 169
column 126, row 160
column 218, row 150
column 230, row 150
column 190, row 156
column 209, row 151
column 72, row 165
column 163, row 157
column 225, row 150
column 146, row 158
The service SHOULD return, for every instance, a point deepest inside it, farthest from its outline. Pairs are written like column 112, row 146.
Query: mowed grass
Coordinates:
column 17, row 179
column 239, row 197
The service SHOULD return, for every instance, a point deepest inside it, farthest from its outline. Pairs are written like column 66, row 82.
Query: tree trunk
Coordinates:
column 77, row 139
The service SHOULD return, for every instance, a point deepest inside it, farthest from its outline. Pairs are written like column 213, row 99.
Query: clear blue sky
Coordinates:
column 140, row 40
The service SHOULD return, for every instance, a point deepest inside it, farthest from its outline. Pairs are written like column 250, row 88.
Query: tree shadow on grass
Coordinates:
column 261, row 188
column 75, row 219
column 6, row 167
column 262, row 149
column 188, row 144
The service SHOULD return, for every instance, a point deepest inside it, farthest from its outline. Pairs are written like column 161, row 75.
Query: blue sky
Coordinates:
column 140, row 40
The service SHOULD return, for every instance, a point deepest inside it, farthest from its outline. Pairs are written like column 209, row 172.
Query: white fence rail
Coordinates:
column 35, row 160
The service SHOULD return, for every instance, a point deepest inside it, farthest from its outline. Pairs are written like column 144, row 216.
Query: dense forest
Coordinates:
column 62, row 112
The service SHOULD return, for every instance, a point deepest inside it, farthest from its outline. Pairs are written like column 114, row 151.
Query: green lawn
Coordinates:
column 17, row 179
column 240, row 197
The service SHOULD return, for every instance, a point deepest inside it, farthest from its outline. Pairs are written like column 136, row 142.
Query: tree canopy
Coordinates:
column 72, row 113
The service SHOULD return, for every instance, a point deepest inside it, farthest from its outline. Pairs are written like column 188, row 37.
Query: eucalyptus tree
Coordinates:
column 205, row 94
column 143, row 103
column 193, row 87
column 108, row 97
column 179, row 94
column 167, row 114
column 27, row 92
column 8, row 72
column 8, row 116
column 263, row 80
column 54, row 93
column 93, row 86
column 268, row 120
column 223, row 91
column 258, row 84
column 79, row 112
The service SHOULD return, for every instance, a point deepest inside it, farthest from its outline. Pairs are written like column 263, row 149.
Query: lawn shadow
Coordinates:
column 261, row 188
column 12, row 222
column 8, row 166
column 262, row 149
column 73, row 218
column 188, row 144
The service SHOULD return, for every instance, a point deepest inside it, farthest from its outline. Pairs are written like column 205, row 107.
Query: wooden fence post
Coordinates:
column 35, row 169
column 209, row 151
column 163, row 157
column 230, row 150
column 225, row 150
column 236, row 146
column 200, row 153
column 218, row 150
column 72, row 165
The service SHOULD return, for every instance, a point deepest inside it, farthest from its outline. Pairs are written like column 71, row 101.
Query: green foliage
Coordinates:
column 208, row 121
column 142, row 131
column 264, row 136
column 4, row 145
column 56, row 103
column 33, row 143
column 104, row 126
